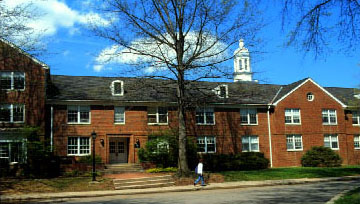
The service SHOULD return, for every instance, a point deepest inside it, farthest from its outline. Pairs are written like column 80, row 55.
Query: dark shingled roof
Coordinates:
column 157, row 90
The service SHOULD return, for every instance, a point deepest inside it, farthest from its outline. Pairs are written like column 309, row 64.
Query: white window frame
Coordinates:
column 12, row 74
column 119, row 111
column 247, row 114
column 310, row 96
column 78, row 107
column 328, row 113
column 112, row 87
column 357, row 141
column 217, row 91
column 356, row 117
column 249, row 140
column 23, row 156
column 12, row 113
column 205, row 112
column 332, row 138
column 206, row 140
column 292, row 140
column 291, row 112
column 157, row 115
column 78, row 145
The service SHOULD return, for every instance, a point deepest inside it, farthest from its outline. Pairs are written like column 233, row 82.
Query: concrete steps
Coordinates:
column 144, row 182
column 122, row 168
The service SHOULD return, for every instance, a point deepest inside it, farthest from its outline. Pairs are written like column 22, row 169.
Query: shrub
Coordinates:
column 321, row 157
column 241, row 161
column 162, row 149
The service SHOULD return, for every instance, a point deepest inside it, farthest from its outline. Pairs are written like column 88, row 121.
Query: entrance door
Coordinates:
column 118, row 150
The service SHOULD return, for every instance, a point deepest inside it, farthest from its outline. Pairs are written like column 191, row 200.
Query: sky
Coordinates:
column 73, row 50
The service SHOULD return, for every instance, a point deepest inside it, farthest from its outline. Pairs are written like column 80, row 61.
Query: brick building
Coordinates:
column 283, row 121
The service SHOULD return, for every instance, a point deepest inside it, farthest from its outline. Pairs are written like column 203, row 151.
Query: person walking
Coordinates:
column 199, row 172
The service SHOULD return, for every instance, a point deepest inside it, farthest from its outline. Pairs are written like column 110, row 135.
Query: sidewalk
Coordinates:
column 212, row 186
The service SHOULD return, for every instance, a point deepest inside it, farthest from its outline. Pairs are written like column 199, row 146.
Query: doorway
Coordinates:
column 118, row 150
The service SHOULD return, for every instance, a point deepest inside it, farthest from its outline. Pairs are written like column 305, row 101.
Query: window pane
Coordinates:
column 19, row 80
column 18, row 113
column 4, row 150
column 298, row 142
column 16, row 152
column 84, row 145
column 289, row 142
column 5, row 80
column 162, row 110
column 5, row 113
column 200, row 116
column 355, row 118
column 119, row 115
column 112, row 147
column 151, row 118
column 121, row 147
column 163, row 119
column 72, row 145
column 84, row 114
column 200, row 144
column 209, row 117
column 117, row 88
column 357, row 141
column 244, row 116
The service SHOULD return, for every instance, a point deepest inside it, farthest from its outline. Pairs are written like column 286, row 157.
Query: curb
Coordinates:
column 214, row 186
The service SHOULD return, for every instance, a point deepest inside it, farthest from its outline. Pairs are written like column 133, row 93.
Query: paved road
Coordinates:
column 304, row 193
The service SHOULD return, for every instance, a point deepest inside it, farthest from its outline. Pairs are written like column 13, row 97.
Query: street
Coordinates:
column 304, row 193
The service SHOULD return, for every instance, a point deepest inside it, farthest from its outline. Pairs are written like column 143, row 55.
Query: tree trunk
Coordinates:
column 183, row 168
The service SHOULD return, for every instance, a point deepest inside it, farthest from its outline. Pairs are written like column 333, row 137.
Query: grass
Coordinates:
column 62, row 184
column 291, row 173
column 350, row 197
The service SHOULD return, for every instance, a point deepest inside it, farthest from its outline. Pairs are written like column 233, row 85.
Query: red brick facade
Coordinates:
column 52, row 118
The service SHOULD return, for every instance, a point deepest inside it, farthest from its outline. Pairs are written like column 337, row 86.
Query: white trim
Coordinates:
column 307, row 80
column 45, row 66
column 249, row 143
column 328, row 114
column 217, row 91
column 112, row 87
column 78, row 146
column 330, row 140
column 293, row 140
column 292, row 116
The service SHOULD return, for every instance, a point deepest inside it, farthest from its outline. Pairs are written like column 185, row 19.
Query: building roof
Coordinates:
column 84, row 88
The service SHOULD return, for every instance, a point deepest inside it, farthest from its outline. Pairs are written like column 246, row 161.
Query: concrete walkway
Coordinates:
column 212, row 186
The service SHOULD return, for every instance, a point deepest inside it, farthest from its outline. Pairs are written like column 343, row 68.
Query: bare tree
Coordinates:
column 320, row 22
column 179, row 40
column 14, row 27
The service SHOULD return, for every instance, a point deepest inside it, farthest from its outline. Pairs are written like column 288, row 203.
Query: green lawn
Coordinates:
column 290, row 173
column 352, row 197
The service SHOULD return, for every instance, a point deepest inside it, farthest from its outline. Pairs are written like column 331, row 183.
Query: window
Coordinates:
column 356, row 118
column 246, row 63
column 119, row 115
column 78, row 146
column 248, row 116
column 157, row 115
column 331, row 141
column 12, row 113
column 250, row 143
column 240, row 64
column 12, row 151
column 357, row 141
column 310, row 96
column 205, row 116
column 117, row 88
column 12, row 80
column 329, row 117
column 78, row 114
column 294, row 142
column 221, row 91
column 206, row 144
column 292, row 116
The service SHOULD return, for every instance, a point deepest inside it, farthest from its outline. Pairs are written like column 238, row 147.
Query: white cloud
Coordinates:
column 55, row 14
column 146, row 47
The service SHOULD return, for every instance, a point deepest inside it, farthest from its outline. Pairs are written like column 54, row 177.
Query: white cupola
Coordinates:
column 242, row 68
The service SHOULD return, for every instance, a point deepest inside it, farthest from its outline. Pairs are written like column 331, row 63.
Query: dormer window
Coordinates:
column 222, row 91
column 117, row 88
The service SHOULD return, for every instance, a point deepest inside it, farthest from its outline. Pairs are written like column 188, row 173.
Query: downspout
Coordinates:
column 269, row 129
column 269, row 125
column 51, row 128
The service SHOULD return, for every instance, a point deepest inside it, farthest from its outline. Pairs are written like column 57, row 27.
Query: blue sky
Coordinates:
column 72, row 50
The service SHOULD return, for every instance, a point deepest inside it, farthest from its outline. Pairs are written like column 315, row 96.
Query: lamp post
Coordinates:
column 93, row 135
